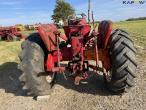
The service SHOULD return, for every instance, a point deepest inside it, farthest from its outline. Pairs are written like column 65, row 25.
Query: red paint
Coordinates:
column 55, row 58
column 63, row 37
column 76, row 45
column 105, row 29
column 47, row 35
column 50, row 62
column 77, row 35
column 80, row 26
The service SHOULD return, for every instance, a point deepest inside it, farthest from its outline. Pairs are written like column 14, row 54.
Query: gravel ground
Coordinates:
column 66, row 96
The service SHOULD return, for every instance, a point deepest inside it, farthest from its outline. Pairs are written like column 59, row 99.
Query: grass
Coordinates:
column 137, row 29
column 27, row 33
column 9, row 51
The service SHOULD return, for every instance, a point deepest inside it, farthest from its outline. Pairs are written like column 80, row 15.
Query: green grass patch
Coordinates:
column 9, row 51
column 136, row 29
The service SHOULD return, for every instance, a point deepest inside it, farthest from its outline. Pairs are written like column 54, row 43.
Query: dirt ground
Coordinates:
column 66, row 96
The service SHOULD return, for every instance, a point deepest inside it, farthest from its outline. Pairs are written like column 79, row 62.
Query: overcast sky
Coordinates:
column 35, row 11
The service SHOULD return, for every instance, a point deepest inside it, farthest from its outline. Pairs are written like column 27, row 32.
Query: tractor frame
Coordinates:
column 80, row 46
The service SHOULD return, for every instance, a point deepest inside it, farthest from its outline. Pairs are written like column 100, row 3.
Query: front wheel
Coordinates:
column 123, row 62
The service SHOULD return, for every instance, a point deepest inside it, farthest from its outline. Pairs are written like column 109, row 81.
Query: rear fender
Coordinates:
column 104, row 29
column 47, row 35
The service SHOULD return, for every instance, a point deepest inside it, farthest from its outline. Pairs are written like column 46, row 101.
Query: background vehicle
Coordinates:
column 10, row 33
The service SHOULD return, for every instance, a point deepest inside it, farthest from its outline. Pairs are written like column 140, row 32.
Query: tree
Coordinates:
column 62, row 11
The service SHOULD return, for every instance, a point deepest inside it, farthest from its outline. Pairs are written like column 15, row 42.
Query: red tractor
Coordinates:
column 10, row 33
column 43, row 54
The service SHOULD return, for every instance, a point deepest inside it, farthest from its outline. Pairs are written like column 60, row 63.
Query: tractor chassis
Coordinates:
column 78, row 67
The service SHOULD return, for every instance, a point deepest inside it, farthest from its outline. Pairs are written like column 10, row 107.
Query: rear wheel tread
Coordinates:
column 123, row 62
column 32, row 62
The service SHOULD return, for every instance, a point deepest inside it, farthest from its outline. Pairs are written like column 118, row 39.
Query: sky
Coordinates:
column 39, row 11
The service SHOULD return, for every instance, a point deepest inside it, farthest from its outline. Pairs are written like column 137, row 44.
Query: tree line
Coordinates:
column 139, row 18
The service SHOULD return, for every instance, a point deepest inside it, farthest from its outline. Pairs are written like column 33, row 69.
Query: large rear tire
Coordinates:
column 32, row 63
column 123, row 62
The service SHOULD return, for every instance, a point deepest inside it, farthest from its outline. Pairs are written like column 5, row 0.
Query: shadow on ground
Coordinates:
column 9, row 81
column 95, row 85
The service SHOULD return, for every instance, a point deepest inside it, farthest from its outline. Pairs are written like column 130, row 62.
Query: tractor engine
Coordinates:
column 76, row 31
